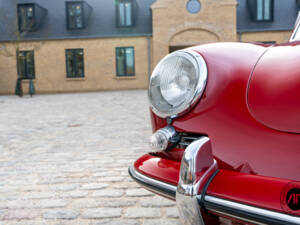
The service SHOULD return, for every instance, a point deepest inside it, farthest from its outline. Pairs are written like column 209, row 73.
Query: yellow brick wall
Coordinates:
column 278, row 36
column 99, row 65
column 173, row 25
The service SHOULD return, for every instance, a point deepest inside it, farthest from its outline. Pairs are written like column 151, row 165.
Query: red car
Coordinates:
column 226, row 141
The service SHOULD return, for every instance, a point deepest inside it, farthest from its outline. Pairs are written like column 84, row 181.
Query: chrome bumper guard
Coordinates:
column 198, row 159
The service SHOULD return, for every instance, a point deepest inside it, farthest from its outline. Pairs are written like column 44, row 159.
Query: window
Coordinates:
column 264, row 10
column 74, row 15
column 75, row 63
column 268, row 42
column 26, row 20
column 25, row 64
column 125, row 61
column 125, row 13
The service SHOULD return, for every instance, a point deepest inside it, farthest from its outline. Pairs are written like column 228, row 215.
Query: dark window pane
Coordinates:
column 30, row 65
column 121, row 14
column 25, row 63
column 129, row 61
column 22, row 63
column 260, row 9
column 125, row 61
column 267, row 11
column 75, row 63
column 22, row 18
column 26, row 17
column 75, row 16
column 79, row 61
column 121, row 62
column 264, row 10
column 125, row 13
column 70, row 64
column 128, row 13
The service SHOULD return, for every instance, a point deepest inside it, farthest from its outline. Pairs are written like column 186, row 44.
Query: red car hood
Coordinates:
column 273, row 94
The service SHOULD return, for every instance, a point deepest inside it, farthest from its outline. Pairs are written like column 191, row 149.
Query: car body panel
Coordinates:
column 238, row 139
column 273, row 93
column 249, row 113
column 259, row 191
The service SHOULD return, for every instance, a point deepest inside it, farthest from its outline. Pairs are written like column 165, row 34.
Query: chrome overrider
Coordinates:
column 197, row 160
column 197, row 170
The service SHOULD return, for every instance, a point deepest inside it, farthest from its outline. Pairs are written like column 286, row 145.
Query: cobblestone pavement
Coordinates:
column 64, row 160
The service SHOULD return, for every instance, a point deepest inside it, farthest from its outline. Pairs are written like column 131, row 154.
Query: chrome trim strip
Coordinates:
column 153, row 185
column 296, row 29
column 254, row 210
column 169, row 191
column 237, row 217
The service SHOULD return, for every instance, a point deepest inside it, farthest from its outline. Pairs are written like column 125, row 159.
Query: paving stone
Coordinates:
column 88, row 203
column 118, row 222
column 93, row 186
column 106, row 174
column 114, row 193
column 138, row 192
column 19, row 214
column 49, row 203
column 142, row 213
column 27, row 222
column 38, row 195
column 111, row 179
column 172, row 212
column 99, row 213
column 120, row 203
column 74, row 194
column 64, row 214
column 157, row 202
column 69, row 154
column 161, row 222
column 64, row 187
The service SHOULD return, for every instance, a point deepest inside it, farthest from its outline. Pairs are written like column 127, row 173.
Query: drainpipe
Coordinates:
column 240, row 36
column 149, row 56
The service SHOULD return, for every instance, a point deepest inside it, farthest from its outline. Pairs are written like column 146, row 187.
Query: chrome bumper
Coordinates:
column 189, row 202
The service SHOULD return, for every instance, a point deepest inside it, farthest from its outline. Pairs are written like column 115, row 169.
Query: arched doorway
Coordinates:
column 191, row 37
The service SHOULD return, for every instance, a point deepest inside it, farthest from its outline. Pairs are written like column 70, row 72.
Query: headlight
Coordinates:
column 177, row 83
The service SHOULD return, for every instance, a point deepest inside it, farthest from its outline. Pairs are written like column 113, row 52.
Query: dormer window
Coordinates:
column 26, row 17
column 30, row 16
column 261, row 10
column 78, row 13
column 125, row 13
column 75, row 15
column 264, row 10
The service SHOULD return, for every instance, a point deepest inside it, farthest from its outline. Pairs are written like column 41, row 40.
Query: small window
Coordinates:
column 74, row 15
column 125, row 13
column 268, row 42
column 26, row 20
column 75, row 63
column 125, row 61
column 264, row 10
column 25, row 65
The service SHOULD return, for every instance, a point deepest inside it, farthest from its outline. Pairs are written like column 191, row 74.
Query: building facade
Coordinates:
column 94, row 45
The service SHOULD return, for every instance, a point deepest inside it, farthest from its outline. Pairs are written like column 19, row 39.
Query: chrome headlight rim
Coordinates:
column 202, row 72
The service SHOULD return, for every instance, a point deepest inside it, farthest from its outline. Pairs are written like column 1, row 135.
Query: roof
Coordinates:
column 102, row 22
column 285, row 15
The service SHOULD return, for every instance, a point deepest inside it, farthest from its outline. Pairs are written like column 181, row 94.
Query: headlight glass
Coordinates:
column 177, row 82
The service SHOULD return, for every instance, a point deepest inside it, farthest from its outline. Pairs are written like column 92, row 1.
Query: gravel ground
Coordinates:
column 64, row 160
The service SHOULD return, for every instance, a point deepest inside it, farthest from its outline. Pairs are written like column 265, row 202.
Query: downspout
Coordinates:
column 149, row 56
column 240, row 36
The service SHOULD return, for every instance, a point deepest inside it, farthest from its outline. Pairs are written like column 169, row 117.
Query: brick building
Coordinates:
column 92, row 45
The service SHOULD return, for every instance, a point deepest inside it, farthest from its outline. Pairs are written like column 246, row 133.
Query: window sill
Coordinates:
column 125, row 78
column 75, row 78
column 27, row 80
